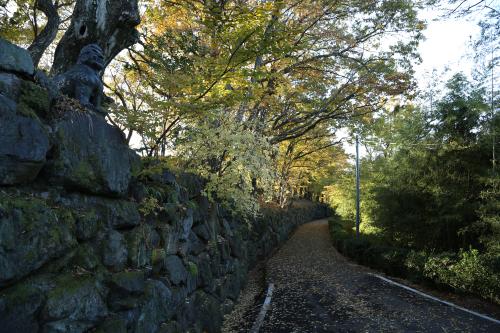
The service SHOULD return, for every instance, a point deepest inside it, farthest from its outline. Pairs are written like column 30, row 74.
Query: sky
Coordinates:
column 448, row 43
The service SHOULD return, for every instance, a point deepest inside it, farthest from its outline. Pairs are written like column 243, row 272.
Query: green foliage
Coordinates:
column 489, row 214
column 304, row 164
column 148, row 206
column 234, row 160
column 17, row 26
column 192, row 268
column 275, row 69
column 467, row 272
column 459, row 111
column 33, row 100
column 423, row 179
column 429, row 191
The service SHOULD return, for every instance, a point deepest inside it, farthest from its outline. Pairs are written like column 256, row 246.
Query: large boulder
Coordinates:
column 207, row 311
column 19, row 307
column 31, row 234
column 74, row 305
column 114, row 252
column 175, row 269
column 24, row 143
column 157, row 309
column 141, row 243
column 24, row 140
column 90, row 155
column 128, row 282
column 175, row 235
column 15, row 59
column 10, row 86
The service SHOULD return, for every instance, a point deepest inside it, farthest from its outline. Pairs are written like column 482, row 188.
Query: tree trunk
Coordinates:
column 108, row 23
column 49, row 32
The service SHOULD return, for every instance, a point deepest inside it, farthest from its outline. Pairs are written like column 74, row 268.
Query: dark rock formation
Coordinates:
column 24, row 140
column 175, row 269
column 67, row 265
column 31, row 234
column 90, row 155
column 24, row 143
column 15, row 59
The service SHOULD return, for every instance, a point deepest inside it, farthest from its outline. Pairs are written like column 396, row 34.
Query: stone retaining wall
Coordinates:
column 78, row 251
column 73, row 262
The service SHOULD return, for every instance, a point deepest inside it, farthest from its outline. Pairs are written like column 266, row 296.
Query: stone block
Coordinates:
column 175, row 269
column 31, row 234
column 114, row 251
column 75, row 298
column 24, row 143
column 158, row 308
column 91, row 156
column 132, row 282
column 15, row 59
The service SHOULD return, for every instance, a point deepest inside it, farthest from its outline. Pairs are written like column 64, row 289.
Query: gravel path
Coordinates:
column 317, row 290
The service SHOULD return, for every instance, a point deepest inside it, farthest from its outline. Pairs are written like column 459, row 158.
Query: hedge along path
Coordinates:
column 317, row 290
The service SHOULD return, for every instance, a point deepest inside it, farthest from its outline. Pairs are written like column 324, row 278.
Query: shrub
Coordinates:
column 235, row 161
column 414, row 264
column 356, row 248
column 468, row 272
column 338, row 231
column 437, row 266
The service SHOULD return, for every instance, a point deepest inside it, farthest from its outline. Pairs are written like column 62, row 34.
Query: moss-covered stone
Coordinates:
column 84, row 174
column 87, row 224
column 158, row 257
column 31, row 233
column 67, row 325
column 112, row 325
column 129, row 282
column 75, row 298
column 114, row 251
column 192, row 268
column 33, row 100
column 117, row 302
column 208, row 312
column 196, row 279
column 157, row 309
column 171, row 327
column 120, row 214
column 175, row 269
column 15, row 58
column 19, row 306
column 86, row 258
column 90, row 155
column 140, row 244
column 24, row 144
